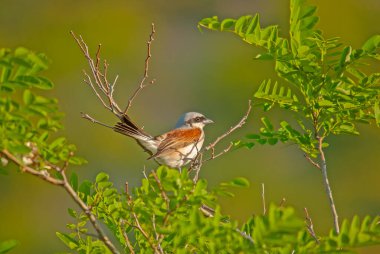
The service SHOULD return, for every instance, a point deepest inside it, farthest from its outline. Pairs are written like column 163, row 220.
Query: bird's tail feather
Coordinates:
column 128, row 128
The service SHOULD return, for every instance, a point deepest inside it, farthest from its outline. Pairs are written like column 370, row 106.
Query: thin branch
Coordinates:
column 327, row 184
column 43, row 174
column 214, row 156
column 128, row 242
column 66, row 163
column 142, row 231
column 282, row 203
column 315, row 164
column 245, row 235
column 212, row 145
column 163, row 193
column 263, row 199
column 198, row 165
column 137, row 224
column 66, row 185
column 88, row 117
column 144, row 172
column 88, row 81
column 142, row 82
column 129, row 202
column 158, row 236
column 99, row 77
column 310, row 226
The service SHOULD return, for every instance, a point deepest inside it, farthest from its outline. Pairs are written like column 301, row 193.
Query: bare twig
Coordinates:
column 245, row 235
column 99, row 81
column 263, row 199
column 144, row 173
column 198, row 166
column 158, row 236
column 310, row 226
column 323, row 167
column 142, row 82
column 315, row 164
column 163, row 193
column 214, row 156
column 282, row 203
column 142, row 231
column 327, row 184
column 88, row 117
column 129, row 202
column 128, row 242
column 212, row 145
column 66, row 185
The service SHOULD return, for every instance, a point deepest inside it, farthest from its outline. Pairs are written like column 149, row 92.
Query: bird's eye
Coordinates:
column 198, row 119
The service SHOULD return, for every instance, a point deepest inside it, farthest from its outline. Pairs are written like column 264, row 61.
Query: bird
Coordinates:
column 174, row 148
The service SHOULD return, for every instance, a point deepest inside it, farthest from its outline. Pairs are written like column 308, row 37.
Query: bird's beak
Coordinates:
column 207, row 121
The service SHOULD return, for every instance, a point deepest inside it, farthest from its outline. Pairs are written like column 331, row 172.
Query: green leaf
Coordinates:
column 28, row 97
column 8, row 245
column 268, row 125
column 77, row 160
column 74, row 181
column 85, row 187
column 376, row 110
column 272, row 141
column 72, row 213
column 239, row 182
column 44, row 83
column 57, row 142
column 19, row 149
column 69, row 241
column 102, row 177
column 265, row 56
column 372, row 43
column 253, row 136
column 227, row 24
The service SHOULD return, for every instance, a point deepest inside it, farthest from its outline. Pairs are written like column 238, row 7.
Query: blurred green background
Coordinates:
column 209, row 72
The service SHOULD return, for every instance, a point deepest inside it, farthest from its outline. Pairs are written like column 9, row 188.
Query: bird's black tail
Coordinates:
column 128, row 128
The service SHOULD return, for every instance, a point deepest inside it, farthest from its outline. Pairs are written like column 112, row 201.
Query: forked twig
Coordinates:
column 212, row 145
column 99, row 83
column 142, row 82
column 315, row 164
column 310, row 226
column 198, row 165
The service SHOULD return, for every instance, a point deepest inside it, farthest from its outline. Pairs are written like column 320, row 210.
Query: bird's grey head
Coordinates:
column 193, row 119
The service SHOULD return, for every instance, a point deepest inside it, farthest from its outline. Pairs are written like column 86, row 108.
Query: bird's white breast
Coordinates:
column 182, row 156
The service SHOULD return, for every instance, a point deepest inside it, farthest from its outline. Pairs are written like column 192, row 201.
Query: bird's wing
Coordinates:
column 177, row 139
column 129, row 128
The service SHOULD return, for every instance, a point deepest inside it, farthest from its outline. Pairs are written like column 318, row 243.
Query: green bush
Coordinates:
column 323, row 83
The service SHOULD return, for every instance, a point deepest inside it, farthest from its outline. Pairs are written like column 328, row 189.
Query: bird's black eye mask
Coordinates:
column 197, row 119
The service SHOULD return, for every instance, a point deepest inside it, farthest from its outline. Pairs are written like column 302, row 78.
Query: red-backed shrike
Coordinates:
column 175, row 148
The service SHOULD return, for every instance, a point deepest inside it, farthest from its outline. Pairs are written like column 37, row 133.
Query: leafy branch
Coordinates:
column 326, row 87
column 64, row 183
